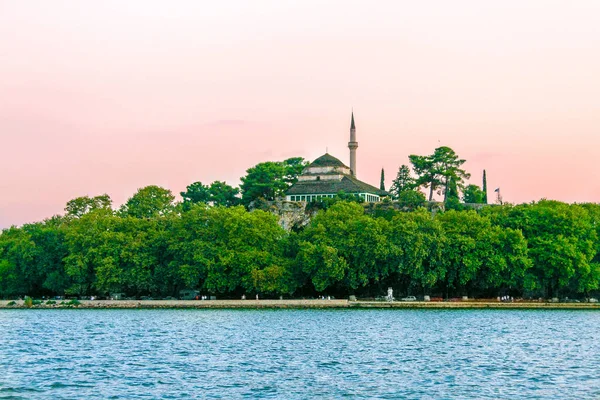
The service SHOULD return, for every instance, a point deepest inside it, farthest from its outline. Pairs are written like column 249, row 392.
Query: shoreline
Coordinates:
column 298, row 304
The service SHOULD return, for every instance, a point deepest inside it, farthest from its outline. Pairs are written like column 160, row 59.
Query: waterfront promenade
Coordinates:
column 299, row 303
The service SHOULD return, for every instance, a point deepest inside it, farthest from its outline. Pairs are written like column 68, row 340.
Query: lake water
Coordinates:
column 297, row 354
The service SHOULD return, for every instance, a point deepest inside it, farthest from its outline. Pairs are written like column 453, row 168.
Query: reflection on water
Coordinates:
column 64, row 354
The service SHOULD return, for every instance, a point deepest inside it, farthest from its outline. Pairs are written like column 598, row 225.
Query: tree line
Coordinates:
column 217, row 241
column 153, row 246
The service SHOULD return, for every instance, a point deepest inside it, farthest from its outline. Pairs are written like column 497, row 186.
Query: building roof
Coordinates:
column 352, row 123
column 348, row 184
column 327, row 160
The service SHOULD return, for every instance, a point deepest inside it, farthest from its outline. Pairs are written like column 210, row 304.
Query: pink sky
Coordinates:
column 110, row 96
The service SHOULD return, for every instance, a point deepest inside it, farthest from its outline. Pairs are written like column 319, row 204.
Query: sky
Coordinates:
column 110, row 96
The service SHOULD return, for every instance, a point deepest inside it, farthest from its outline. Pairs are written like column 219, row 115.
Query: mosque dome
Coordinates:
column 327, row 160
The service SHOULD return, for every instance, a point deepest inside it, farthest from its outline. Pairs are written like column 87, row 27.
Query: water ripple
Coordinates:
column 299, row 354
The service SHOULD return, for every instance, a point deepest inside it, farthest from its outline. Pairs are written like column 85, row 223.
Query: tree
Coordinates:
column 447, row 163
column 196, row 193
column 451, row 192
column 86, row 239
column 109, row 253
column 83, row 205
column 31, row 259
column 382, row 181
column 244, row 252
column 452, row 201
column 229, row 250
column 420, row 241
column 481, row 256
column 427, row 175
column 221, row 194
column 411, row 199
column 562, row 243
column 17, row 254
column 218, row 194
column 270, row 179
column 404, row 182
column 343, row 249
column 439, row 170
column 473, row 194
column 148, row 202
column 292, row 168
column 484, row 187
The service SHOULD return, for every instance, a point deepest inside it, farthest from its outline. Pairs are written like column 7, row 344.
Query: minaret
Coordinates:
column 352, row 145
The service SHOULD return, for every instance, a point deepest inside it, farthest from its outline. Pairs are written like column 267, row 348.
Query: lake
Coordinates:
column 299, row 354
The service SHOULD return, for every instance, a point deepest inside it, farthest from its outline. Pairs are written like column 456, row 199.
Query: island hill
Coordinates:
column 227, row 242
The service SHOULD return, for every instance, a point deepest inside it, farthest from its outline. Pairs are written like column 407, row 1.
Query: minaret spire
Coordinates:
column 352, row 145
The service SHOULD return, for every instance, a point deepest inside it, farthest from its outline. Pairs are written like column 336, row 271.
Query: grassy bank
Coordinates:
column 305, row 304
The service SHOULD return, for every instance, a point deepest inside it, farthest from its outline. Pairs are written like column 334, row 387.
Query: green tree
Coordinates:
column 50, row 250
column 562, row 243
column 148, row 202
column 196, row 193
column 218, row 193
column 31, row 259
column 83, row 205
column 292, row 168
column 411, row 199
column 108, row 253
column 270, row 179
column 343, row 249
column 481, row 256
column 230, row 250
column 473, row 194
column 427, row 175
column 221, row 194
column 484, row 188
column 322, row 263
column 248, row 252
column 439, row 170
column 419, row 240
column 17, row 253
column 90, row 249
column 404, row 182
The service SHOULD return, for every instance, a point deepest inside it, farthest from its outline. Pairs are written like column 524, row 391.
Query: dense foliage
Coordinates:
column 153, row 246
column 271, row 179
column 440, row 172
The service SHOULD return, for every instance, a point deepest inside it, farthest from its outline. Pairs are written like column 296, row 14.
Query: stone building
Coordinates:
column 327, row 176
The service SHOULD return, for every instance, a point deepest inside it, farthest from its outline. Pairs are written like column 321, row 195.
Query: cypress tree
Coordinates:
column 382, row 182
column 484, row 188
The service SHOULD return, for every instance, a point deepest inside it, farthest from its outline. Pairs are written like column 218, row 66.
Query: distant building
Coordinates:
column 327, row 176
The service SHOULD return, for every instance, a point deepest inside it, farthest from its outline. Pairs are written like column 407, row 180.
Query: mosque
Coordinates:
column 327, row 176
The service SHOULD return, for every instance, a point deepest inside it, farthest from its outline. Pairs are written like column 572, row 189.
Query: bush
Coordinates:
column 50, row 302
column 73, row 302
column 28, row 302
column 454, row 203
column 411, row 200
column 11, row 303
